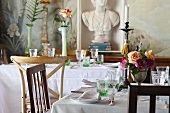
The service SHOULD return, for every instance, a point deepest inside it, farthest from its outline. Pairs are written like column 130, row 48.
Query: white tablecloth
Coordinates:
column 67, row 105
column 10, row 86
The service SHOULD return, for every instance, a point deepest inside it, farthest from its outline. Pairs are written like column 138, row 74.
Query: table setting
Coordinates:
column 72, row 81
column 86, row 100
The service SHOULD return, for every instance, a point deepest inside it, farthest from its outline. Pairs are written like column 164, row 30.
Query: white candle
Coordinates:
column 126, row 13
column 79, row 24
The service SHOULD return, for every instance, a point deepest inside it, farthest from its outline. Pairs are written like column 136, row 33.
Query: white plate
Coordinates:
column 85, row 101
column 109, row 66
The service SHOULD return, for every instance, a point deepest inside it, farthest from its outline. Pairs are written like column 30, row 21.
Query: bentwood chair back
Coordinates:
column 18, row 60
column 37, row 87
column 151, row 90
column 3, row 53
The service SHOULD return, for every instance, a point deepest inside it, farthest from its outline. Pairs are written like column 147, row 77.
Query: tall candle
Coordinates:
column 126, row 13
column 79, row 24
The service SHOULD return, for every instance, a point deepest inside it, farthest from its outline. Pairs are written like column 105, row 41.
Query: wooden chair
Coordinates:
column 18, row 60
column 151, row 91
column 3, row 53
column 37, row 86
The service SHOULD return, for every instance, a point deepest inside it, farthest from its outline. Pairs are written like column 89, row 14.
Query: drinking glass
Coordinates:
column 79, row 56
column 86, row 61
column 51, row 52
column 113, row 76
column 163, row 70
column 111, row 95
column 100, row 59
column 102, row 87
column 94, row 54
column 33, row 52
column 158, row 79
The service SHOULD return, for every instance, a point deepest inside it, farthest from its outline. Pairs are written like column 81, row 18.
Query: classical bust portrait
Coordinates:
column 100, row 20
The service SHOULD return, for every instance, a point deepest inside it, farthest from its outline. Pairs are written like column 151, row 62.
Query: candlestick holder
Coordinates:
column 125, row 51
column 45, row 42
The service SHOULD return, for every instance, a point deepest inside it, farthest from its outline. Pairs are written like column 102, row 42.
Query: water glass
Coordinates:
column 100, row 59
column 86, row 61
column 51, row 52
column 111, row 95
column 102, row 87
column 113, row 76
column 79, row 56
column 94, row 54
column 158, row 79
column 163, row 70
column 33, row 52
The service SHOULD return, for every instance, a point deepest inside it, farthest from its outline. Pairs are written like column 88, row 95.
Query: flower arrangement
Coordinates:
column 64, row 17
column 138, row 60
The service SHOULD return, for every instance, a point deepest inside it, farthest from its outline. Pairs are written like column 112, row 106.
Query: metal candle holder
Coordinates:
column 126, row 30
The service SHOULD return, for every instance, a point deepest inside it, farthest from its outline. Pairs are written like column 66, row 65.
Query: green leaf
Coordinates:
column 34, row 9
column 57, row 19
column 110, row 86
column 118, row 87
column 29, row 25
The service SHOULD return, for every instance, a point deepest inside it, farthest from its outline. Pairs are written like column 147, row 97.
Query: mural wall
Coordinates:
column 13, row 27
column 150, row 19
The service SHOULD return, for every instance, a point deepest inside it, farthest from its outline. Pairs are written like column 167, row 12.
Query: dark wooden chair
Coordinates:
column 3, row 53
column 38, row 91
column 151, row 91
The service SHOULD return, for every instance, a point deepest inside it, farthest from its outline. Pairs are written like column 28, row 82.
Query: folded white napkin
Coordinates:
column 90, row 95
column 87, row 82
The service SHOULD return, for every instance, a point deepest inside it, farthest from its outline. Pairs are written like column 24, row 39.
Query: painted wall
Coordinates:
column 13, row 20
column 150, row 19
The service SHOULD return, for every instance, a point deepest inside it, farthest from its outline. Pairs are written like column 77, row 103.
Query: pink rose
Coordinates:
column 123, row 64
column 134, row 56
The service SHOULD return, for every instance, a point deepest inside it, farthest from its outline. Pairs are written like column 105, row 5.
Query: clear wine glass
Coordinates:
column 111, row 95
column 79, row 56
column 113, row 75
column 94, row 54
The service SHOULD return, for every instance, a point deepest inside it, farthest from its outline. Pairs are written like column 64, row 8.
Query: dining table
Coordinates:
column 10, row 85
column 72, row 103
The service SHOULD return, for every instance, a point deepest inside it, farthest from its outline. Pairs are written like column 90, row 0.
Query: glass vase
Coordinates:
column 29, row 28
column 64, row 30
column 64, row 40
column 139, row 77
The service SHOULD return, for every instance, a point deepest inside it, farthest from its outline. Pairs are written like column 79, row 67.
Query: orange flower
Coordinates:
column 134, row 56
column 65, row 13
column 150, row 54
